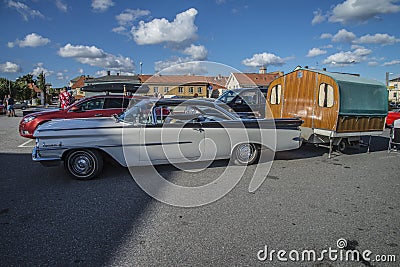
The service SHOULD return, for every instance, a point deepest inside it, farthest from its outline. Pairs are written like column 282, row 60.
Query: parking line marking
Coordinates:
column 27, row 142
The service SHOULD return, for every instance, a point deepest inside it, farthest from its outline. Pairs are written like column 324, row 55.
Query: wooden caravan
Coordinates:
column 336, row 108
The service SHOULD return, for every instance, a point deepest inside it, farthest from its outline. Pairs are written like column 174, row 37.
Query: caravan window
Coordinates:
column 275, row 97
column 325, row 97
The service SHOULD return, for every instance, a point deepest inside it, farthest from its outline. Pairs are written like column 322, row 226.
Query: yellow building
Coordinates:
column 185, row 86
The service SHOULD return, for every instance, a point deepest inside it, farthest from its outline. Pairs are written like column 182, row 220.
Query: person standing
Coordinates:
column 5, row 102
column 64, row 98
column 10, row 106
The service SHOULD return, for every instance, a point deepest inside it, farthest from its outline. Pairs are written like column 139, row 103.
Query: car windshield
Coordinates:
column 139, row 113
column 228, row 96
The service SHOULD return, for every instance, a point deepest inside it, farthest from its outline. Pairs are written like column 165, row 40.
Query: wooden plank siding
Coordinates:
column 299, row 99
column 326, row 118
column 348, row 124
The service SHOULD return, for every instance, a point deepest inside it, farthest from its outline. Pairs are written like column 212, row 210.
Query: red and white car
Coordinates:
column 96, row 106
column 392, row 116
column 2, row 109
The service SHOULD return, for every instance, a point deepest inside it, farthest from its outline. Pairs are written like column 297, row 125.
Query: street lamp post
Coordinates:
column 387, row 78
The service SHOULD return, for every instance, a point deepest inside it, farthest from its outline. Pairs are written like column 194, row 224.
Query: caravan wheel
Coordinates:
column 343, row 144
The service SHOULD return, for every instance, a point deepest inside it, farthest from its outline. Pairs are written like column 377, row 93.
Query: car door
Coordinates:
column 93, row 107
column 178, row 141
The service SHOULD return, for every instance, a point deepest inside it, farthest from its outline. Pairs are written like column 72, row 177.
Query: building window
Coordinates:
column 180, row 90
column 395, row 94
column 275, row 97
column 191, row 90
column 155, row 89
column 166, row 89
column 199, row 89
column 325, row 97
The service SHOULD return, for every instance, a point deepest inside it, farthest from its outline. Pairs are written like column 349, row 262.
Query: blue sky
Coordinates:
column 66, row 39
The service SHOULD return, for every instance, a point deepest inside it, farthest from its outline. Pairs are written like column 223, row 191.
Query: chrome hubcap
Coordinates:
column 82, row 164
column 245, row 152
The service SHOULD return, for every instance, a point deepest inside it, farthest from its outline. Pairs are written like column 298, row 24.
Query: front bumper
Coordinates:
column 46, row 161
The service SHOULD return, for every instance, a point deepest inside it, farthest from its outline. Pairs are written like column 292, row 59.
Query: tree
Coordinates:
column 24, row 92
column 4, row 83
column 41, row 84
column 7, row 87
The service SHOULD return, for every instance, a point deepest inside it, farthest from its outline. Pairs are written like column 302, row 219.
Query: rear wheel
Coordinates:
column 84, row 164
column 246, row 154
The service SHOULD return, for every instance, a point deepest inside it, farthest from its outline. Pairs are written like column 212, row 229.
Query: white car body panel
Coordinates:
column 136, row 144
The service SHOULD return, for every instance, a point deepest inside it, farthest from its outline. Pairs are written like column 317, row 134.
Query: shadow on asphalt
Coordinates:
column 47, row 218
column 378, row 143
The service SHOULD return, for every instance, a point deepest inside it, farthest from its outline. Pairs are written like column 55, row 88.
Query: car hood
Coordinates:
column 41, row 112
column 61, row 125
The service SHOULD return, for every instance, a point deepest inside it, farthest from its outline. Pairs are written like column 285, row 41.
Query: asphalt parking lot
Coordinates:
column 307, row 202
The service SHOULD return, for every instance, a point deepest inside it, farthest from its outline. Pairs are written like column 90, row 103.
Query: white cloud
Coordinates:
column 361, row 51
column 344, row 36
column 130, row 15
column 326, row 36
column 157, row 31
column 318, row 17
column 196, row 52
column 81, row 51
column 31, row 40
column 80, row 70
column 120, row 30
column 94, row 56
column 102, row 5
column 362, row 10
column 315, row 52
column 180, row 66
column 264, row 59
column 373, row 63
column 391, row 63
column 39, row 69
column 379, row 38
column 185, row 65
column 25, row 11
column 9, row 67
column 61, row 6
column 62, row 76
column 349, row 57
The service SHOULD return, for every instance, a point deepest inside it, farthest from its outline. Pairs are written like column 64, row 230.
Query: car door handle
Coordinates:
column 199, row 129
column 98, row 115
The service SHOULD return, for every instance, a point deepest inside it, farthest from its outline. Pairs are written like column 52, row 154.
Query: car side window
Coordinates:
column 114, row 103
column 250, row 97
column 96, row 103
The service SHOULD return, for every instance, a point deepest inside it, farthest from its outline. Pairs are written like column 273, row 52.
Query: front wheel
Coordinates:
column 246, row 154
column 83, row 164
